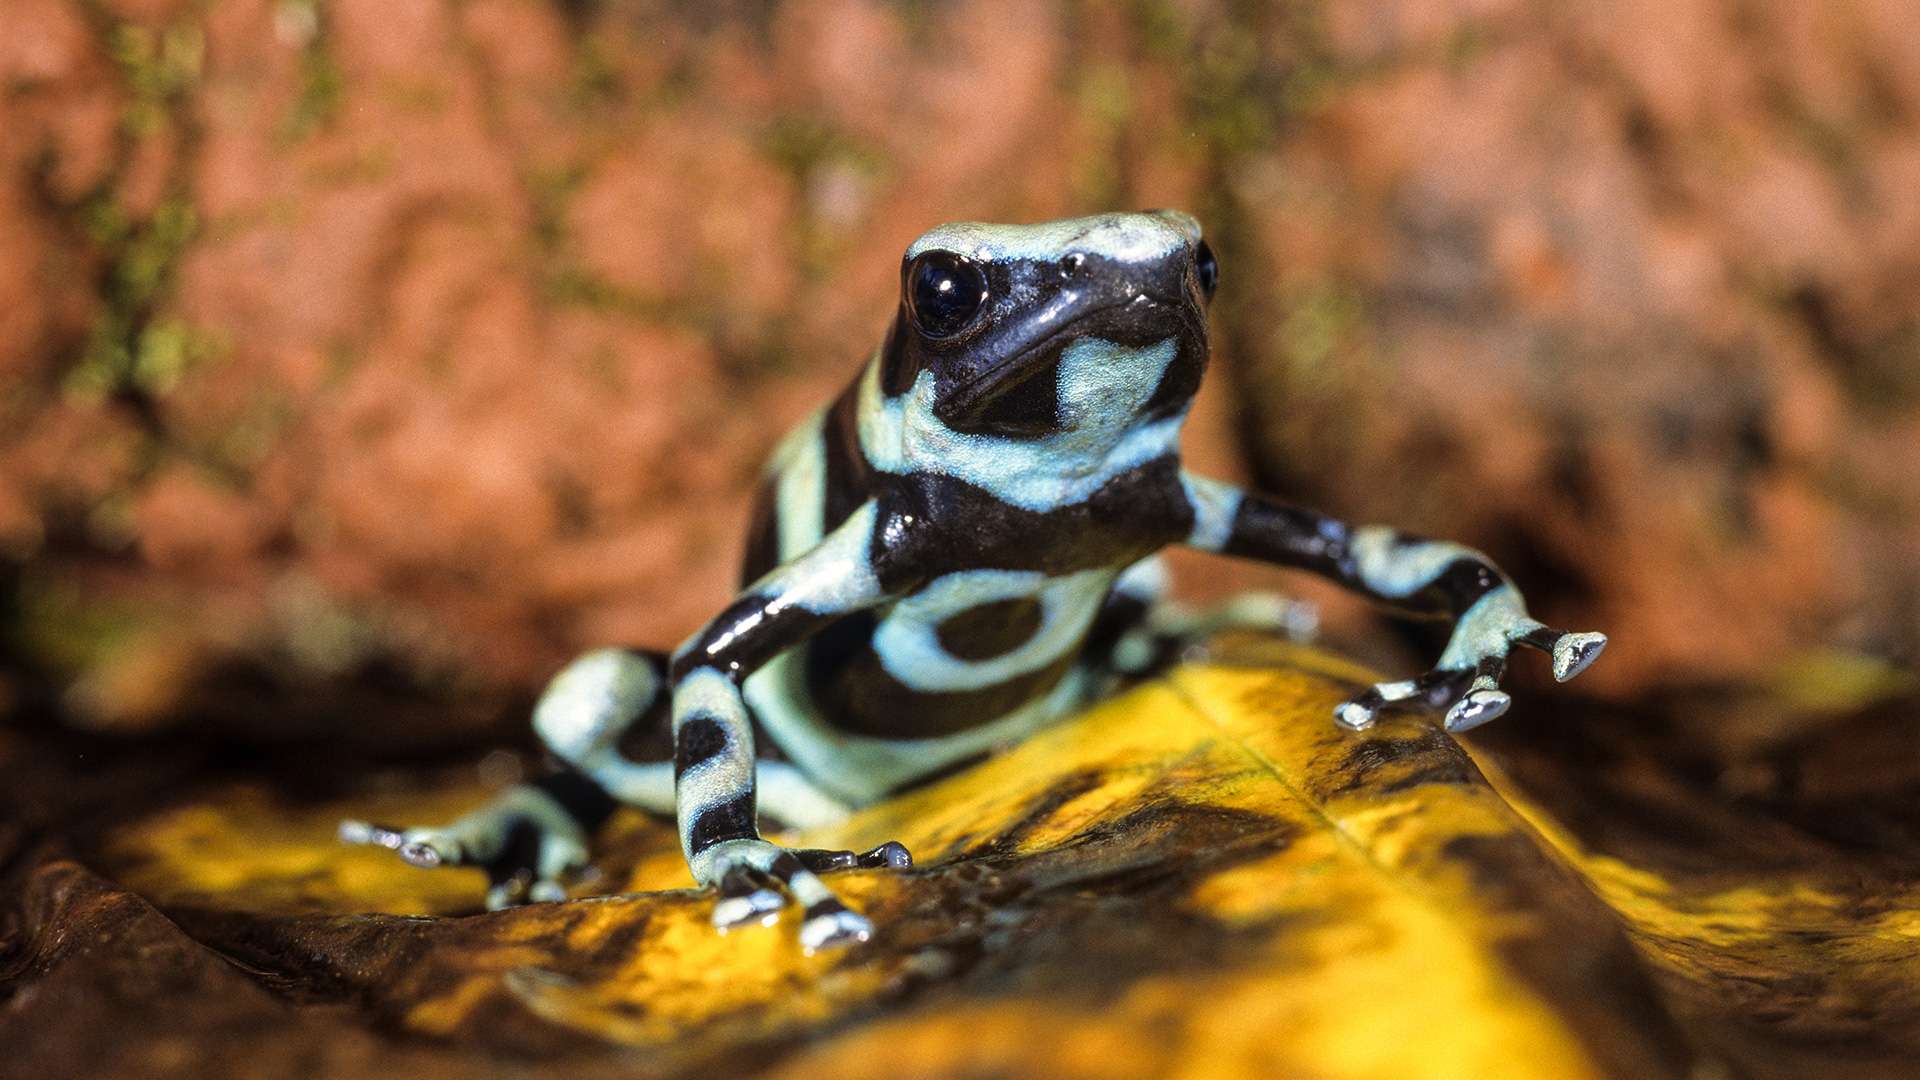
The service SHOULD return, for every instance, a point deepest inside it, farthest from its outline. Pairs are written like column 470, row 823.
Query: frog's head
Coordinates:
column 1082, row 328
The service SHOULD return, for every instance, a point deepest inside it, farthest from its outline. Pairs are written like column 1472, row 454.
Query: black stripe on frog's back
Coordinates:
column 932, row 524
column 856, row 692
column 846, row 480
column 848, row 476
column 763, row 535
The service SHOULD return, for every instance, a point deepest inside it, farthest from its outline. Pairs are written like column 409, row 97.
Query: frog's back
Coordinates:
column 987, row 646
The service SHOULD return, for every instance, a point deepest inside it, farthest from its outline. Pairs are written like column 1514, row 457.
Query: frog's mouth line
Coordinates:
column 1012, row 371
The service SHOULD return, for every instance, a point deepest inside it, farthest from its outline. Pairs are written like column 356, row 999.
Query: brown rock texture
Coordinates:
column 359, row 355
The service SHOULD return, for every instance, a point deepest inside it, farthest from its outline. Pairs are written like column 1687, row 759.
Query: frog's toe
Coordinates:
column 1355, row 715
column 428, row 852
column 747, row 896
column 830, row 924
column 1476, row 708
column 1575, row 653
column 424, row 848
column 1572, row 652
column 757, row 880
column 761, row 906
column 892, row 855
column 366, row 833
column 1359, row 712
column 518, row 886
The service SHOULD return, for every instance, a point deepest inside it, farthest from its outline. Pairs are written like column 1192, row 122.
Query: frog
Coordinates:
column 962, row 548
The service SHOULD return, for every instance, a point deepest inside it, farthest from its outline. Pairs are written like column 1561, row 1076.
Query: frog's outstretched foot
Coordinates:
column 528, row 841
column 757, row 879
column 1466, row 687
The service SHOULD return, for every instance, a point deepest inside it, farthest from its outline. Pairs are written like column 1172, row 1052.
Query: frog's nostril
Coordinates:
column 1071, row 263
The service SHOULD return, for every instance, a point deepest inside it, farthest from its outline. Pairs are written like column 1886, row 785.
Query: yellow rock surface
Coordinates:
column 1200, row 878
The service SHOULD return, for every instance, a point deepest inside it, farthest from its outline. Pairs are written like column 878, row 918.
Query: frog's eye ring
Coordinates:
column 1208, row 267
column 945, row 292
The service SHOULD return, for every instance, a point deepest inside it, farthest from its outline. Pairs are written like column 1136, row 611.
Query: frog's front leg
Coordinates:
column 1431, row 578
column 715, row 789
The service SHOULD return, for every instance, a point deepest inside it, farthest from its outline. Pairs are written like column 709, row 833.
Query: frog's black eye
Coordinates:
column 1208, row 268
column 944, row 292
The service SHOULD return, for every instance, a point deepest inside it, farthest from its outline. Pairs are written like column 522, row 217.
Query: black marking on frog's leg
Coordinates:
column 1428, row 578
column 700, row 740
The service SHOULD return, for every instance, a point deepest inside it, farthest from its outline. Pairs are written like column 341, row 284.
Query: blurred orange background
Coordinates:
column 358, row 354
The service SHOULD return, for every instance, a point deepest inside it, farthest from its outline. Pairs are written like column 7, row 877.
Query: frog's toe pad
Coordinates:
column 415, row 849
column 830, row 924
column 1478, row 707
column 422, row 854
column 368, row 834
column 1354, row 716
column 892, row 855
column 1575, row 653
column 1359, row 712
column 760, row 906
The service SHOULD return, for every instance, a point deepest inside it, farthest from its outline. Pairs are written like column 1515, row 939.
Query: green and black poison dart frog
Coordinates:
column 955, row 552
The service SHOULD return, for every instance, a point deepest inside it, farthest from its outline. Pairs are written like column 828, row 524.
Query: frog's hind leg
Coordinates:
column 527, row 840
column 1140, row 631
column 533, row 836
column 597, row 716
